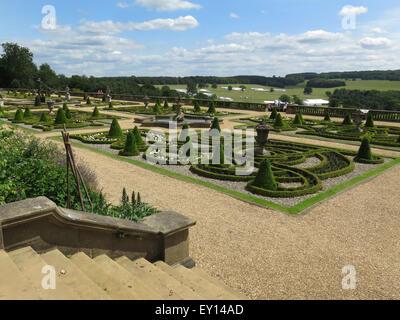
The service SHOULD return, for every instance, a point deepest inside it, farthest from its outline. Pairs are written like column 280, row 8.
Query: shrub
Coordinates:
column 27, row 113
column 370, row 121
column 19, row 116
column 37, row 101
column 327, row 118
column 211, row 109
column 88, row 101
column 197, row 108
column 61, row 117
column 67, row 111
column 279, row 123
column 138, row 137
column 298, row 120
column 110, row 105
column 347, row 120
column 115, row 129
column 398, row 139
column 157, row 108
column 166, row 106
column 130, row 149
column 44, row 117
column 274, row 113
column 95, row 113
column 215, row 124
column 265, row 177
column 364, row 153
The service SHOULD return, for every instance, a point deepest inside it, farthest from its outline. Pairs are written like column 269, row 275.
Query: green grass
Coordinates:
column 295, row 90
column 300, row 207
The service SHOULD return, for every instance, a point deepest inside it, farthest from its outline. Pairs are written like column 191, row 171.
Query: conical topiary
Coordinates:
column 115, row 129
column 211, row 109
column 19, row 116
column 298, row 119
column 44, row 117
column 327, row 118
column 27, row 113
column 95, row 113
column 110, row 105
column 130, row 149
column 265, row 177
column 60, row 117
column 274, row 113
column 215, row 124
column 138, row 137
column 364, row 153
column 370, row 121
column 166, row 106
column 157, row 108
column 398, row 139
column 279, row 121
column 347, row 120
column 37, row 101
column 88, row 101
column 190, row 146
column 197, row 108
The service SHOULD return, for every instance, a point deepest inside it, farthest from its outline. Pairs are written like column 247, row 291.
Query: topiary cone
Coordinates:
column 278, row 121
column 215, row 125
column 19, row 116
column 27, row 113
column 157, row 108
column 274, row 113
column 166, row 105
column 44, row 117
column 327, row 118
column 211, row 109
column 130, row 149
column 115, row 129
column 364, row 153
column 297, row 120
column 265, row 177
column 370, row 121
column 347, row 120
column 138, row 137
column 95, row 113
column 197, row 108
column 60, row 117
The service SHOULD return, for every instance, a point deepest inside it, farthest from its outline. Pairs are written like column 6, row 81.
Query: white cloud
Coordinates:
column 375, row 43
column 123, row 5
column 168, row 5
column 317, row 36
column 111, row 27
column 378, row 30
column 234, row 15
column 352, row 11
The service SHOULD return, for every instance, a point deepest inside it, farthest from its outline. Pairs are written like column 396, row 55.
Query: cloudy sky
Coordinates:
column 205, row 37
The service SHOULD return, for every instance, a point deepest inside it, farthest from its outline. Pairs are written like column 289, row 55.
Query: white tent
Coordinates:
column 315, row 102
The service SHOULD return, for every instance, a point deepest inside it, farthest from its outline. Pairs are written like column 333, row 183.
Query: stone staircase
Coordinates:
column 79, row 277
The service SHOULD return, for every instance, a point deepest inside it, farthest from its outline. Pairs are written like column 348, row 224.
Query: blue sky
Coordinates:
column 205, row 37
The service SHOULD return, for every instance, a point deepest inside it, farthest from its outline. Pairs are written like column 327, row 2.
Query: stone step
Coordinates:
column 116, row 288
column 71, row 275
column 153, row 281
column 13, row 284
column 219, row 283
column 30, row 264
column 170, row 282
column 143, row 289
column 203, row 286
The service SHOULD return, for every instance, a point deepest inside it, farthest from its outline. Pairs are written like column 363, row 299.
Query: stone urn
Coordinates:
column 357, row 118
column 146, row 102
column 50, row 105
column 263, row 130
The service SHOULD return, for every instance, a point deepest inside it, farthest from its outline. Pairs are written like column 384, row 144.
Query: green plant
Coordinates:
column 370, row 121
column 166, row 106
column 279, row 123
column 347, row 120
column 130, row 149
column 215, row 125
column 27, row 113
column 67, row 111
column 265, row 177
column 37, row 101
column 298, row 120
column 44, row 117
column 274, row 113
column 364, row 153
column 157, row 108
column 95, row 113
column 138, row 137
column 19, row 116
column 327, row 117
column 61, row 117
column 115, row 129
column 110, row 105
column 88, row 101
column 211, row 109
column 197, row 108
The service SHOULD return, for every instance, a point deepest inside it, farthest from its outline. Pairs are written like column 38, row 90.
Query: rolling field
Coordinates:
column 254, row 96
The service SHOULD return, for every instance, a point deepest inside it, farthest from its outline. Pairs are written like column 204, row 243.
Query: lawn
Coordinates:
column 254, row 96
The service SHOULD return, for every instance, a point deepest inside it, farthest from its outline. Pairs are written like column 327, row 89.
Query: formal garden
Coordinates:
column 53, row 120
column 285, row 174
column 347, row 130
